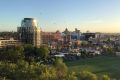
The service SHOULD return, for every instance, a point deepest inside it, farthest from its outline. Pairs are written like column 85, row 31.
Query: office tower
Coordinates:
column 29, row 32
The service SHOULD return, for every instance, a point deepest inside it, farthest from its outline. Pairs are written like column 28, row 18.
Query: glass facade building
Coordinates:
column 29, row 32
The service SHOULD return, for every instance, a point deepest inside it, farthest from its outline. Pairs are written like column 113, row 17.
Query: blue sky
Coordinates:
column 93, row 15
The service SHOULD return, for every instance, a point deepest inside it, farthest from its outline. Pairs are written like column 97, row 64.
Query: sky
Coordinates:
column 52, row 15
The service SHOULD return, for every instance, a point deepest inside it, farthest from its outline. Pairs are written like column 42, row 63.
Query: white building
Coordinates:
column 10, row 42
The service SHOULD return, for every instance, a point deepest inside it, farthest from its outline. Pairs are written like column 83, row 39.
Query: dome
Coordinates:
column 29, row 22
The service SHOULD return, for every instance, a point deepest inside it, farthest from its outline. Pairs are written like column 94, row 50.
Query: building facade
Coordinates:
column 49, row 37
column 8, row 43
column 29, row 32
column 75, row 35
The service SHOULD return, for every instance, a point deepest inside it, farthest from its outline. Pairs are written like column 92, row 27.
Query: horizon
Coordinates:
column 95, row 16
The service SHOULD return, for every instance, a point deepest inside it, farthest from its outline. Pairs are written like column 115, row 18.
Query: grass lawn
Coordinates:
column 99, row 65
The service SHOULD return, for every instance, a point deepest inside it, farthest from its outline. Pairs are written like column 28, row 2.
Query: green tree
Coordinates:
column 29, row 53
column 43, row 52
column 105, row 77
column 11, row 55
column 48, row 73
column 85, row 75
column 61, row 69
column 84, row 43
column 71, row 76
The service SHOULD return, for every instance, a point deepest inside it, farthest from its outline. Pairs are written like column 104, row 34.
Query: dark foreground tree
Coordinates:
column 29, row 53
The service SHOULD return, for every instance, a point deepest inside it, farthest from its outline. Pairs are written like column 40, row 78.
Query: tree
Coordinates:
column 11, row 55
column 105, row 77
column 61, row 69
column 71, row 76
column 29, row 53
column 44, row 52
column 85, row 75
column 84, row 43
column 84, row 54
column 20, row 49
column 48, row 73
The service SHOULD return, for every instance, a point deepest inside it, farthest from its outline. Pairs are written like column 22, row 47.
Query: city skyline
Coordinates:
column 52, row 15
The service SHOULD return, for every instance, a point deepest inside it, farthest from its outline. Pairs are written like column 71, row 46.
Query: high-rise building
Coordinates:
column 29, row 32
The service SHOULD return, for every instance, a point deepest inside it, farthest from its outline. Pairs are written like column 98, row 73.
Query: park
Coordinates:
column 108, row 65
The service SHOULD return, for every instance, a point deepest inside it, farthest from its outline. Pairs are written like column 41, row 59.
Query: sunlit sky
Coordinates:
column 52, row 15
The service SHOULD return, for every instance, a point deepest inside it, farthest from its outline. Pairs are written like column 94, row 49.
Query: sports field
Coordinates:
column 99, row 65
